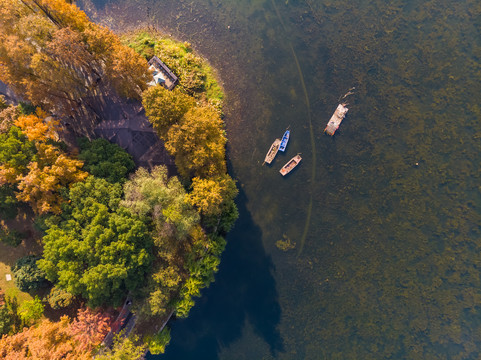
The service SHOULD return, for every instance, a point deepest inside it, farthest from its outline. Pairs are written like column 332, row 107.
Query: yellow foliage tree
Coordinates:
column 39, row 127
column 54, row 56
column 40, row 187
column 198, row 143
column 49, row 170
column 209, row 195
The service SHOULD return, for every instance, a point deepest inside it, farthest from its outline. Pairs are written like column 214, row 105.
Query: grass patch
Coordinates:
column 196, row 77
column 9, row 254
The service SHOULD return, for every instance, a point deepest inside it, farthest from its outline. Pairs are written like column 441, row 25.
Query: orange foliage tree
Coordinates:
column 89, row 329
column 55, row 57
column 48, row 170
column 56, row 340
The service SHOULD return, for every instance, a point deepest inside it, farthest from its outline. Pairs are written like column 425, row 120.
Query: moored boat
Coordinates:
column 336, row 119
column 291, row 164
column 271, row 154
column 284, row 141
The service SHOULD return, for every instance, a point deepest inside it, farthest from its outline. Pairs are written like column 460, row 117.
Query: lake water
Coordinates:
column 385, row 215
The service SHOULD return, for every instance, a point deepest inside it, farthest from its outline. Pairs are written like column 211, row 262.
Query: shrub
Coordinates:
column 27, row 274
column 10, row 237
column 26, row 108
column 8, row 202
column 30, row 311
column 158, row 342
column 59, row 298
column 10, row 322
column 105, row 160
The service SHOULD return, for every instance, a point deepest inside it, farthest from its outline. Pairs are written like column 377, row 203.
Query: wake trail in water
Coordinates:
column 311, row 131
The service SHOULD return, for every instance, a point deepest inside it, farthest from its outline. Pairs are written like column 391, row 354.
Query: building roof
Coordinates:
column 169, row 76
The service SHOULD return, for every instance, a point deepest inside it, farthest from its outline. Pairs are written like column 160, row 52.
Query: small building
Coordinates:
column 162, row 74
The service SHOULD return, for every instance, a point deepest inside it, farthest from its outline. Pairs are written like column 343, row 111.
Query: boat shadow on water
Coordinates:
column 244, row 291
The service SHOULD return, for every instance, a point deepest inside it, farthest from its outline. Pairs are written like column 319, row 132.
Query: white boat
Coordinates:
column 336, row 119
column 271, row 154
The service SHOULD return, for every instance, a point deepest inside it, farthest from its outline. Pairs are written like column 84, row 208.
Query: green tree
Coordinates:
column 105, row 160
column 6, row 321
column 10, row 236
column 59, row 298
column 157, row 343
column 31, row 311
column 165, row 108
column 162, row 199
column 28, row 276
column 124, row 349
column 8, row 202
column 10, row 321
column 100, row 251
column 201, row 262
column 16, row 152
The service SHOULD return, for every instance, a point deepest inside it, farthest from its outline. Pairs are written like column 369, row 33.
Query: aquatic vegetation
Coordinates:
column 395, row 217
column 285, row 244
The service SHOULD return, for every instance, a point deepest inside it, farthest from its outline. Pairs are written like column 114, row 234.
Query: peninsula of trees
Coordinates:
column 96, row 228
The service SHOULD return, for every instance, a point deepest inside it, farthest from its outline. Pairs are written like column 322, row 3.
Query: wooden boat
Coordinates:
column 336, row 119
column 286, row 169
column 271, row 154
column 284, row 141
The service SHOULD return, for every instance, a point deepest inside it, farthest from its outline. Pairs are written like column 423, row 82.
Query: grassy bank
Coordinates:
column 196, row 76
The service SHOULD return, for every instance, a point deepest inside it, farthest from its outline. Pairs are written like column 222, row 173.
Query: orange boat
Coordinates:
column 291, row 164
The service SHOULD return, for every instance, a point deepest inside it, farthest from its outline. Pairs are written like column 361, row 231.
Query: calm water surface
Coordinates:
column 385, row 215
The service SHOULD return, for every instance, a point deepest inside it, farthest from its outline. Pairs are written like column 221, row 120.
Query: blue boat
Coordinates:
column 284, row 141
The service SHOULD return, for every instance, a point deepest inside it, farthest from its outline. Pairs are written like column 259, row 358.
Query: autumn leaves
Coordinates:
column 57, row 59
column 32, row 162
column 194, row 134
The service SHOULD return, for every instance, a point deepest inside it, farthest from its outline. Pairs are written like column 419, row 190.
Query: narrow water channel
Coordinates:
column 385, row 215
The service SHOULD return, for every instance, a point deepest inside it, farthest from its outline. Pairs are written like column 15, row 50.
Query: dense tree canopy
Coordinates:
column 105, row 160
column 31, row 310
column 89, row 329
column 198, row 143
column 99, row 250
column 32, row 161
column 124, row 349
column 162, row 199
column 28, row 276
column 53, row 55
column 165, row 108
column 16, row 152
column 59, row 298
column 10, row 321
column 63, row 340
column 212, row 194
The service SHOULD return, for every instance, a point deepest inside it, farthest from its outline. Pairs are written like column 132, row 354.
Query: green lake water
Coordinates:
column 385, row 215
